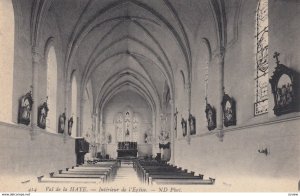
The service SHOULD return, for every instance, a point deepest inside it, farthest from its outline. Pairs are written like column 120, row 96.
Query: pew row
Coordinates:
column 150, row 172
column 87, row 173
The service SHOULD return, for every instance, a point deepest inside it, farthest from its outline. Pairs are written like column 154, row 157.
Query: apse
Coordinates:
column 127, row 117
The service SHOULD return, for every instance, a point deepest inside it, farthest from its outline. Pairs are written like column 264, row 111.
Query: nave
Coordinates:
column 180, row 88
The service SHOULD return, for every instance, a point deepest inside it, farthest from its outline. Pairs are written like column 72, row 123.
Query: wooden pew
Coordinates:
column 108, row 168
column 161, row 173
column 181, row 181
column 87, row 173
column 70, row 180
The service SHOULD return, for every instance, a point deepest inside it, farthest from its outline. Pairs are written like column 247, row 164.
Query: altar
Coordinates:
column 127, row 150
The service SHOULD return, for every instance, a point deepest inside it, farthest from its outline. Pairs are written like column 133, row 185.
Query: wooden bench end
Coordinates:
column 212, row 180
column 40, row 178
column 51, row 174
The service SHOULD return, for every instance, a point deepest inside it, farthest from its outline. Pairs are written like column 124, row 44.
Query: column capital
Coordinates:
column 187, row 86
column 36, row 56
column 219, row 53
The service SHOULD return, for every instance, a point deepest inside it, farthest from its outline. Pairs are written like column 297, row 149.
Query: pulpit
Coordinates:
column 127, row 150
column 81, row 148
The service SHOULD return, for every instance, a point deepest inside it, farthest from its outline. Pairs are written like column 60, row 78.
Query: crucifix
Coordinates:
column 276, row 55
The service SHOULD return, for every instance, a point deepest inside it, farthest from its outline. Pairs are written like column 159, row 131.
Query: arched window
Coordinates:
column 51, row 89
column 127, row 126
column 262, row 66
column 7, row 34
column 87, row 117
column 119, row 127
column 74, row 105
column 206, row 59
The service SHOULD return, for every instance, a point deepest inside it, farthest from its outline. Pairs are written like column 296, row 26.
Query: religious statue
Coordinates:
column 228, row 111
column 146, row 139
column 175, row 122
column 70, row 125
column 25, row 106
column 184, row 128
column 42, row 115
column 192, row 124
column 164, row 137
column 61, row 123
column 210, row 117
column 109, row 138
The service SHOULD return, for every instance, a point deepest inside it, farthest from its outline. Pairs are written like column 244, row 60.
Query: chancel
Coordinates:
column 202, row 95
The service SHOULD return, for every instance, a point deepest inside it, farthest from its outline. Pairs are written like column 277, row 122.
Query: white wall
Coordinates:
column 236, row 160
column 22, row 156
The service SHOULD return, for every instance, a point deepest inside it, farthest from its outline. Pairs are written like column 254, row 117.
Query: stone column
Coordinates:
column 67, row 105
column 155, row 142
column 172, row 161
column 36, row 61
column 80, row 114
column 189, row 92
column 220, row 65
column 94, row 134
column 102, row 136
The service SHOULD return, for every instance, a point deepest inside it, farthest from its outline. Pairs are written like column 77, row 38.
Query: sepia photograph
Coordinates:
column 164, row 96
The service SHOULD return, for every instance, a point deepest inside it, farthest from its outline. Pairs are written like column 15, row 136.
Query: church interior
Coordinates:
column 208, row 89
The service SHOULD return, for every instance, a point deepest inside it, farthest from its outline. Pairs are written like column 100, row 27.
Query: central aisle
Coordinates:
column 126, row 175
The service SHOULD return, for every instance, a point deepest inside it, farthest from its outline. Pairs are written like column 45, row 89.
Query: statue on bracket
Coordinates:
column 25, row 107
column 164, row 137
column 229, row 111
column 70, row 125
column 192, row 124
column 109, row 138
column 175, row 122
column 284, row 89
column 145, row 138
column 184, row 128
column 61, row 123
column 42, row 115
column 210, row 117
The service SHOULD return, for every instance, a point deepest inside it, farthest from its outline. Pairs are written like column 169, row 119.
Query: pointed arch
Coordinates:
column 207, row 59
column 87, row 119
column 74, row 103
column 51, row 61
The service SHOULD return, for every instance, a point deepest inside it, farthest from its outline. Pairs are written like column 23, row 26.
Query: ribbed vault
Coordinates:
column 118, row 45
column 110, row 36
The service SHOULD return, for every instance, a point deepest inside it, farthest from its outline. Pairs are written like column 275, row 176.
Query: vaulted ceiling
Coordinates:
column 129, row 44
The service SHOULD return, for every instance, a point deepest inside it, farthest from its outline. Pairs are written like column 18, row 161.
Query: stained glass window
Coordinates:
column 127, row 127
column 262, row 67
